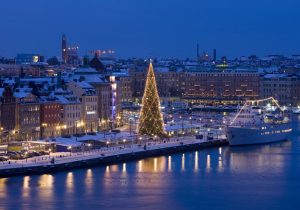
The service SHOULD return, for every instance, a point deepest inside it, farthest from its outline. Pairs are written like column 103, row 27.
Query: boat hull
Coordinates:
column 247, row 136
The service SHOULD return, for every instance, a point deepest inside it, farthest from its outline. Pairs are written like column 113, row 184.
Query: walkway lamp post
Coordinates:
column 70, row 149
column 1, row 133
column 180, row 117
column 130, row 126
column 44, row 125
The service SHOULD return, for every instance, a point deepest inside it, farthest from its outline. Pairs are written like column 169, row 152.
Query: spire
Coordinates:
column 151, row 118
column 64, row 53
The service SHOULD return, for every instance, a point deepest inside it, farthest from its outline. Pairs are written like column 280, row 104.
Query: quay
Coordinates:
column 57, row 162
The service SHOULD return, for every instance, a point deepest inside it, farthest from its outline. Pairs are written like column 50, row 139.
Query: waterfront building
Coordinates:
column 168, row 82
column 116, row 104
column 283, row 87
column 125, row 82
column 108, row 92
column 49, row 117
column 103, row 91
column 89, row 104
column 27, row 115
column 8, row 109
column 70, row 112
column 229, row 87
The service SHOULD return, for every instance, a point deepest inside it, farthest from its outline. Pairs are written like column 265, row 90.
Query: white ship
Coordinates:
column 296, row 110
column 259, row 122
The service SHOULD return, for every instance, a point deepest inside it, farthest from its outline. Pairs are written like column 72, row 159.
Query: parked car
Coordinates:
column 3, row 158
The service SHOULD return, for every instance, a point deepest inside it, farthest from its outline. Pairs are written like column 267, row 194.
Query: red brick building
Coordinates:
column 50, row 117
column 8, row 109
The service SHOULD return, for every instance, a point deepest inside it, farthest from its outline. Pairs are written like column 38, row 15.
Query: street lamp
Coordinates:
column 130, row 126
column 13, row 132
column 70, row 149
column 119, row 121
column 89, row 146
column 103, row 124
column 181, row 123
column 44, row 125
column 1, row 129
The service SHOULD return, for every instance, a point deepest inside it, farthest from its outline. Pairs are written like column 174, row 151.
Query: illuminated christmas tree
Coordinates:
column 151, row 119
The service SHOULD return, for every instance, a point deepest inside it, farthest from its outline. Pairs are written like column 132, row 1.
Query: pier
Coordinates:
column 64, row 161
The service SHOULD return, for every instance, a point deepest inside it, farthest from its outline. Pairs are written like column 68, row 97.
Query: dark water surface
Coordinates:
column 252, row 177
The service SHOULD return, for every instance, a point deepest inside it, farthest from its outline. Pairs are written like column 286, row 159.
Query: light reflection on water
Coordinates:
column 45, row 187
column 3, row 186
column 196, row 161
column 70, row 182
column 25, row 189
column 208, row 162
column 225, row 177
column 183, row 162
column 124, row 168
column 169, row 163
column 89, row 181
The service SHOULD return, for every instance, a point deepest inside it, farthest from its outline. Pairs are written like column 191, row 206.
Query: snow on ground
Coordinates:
column 68, row 157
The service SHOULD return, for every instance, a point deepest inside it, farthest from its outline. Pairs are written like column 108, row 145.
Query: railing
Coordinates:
column 69, row 157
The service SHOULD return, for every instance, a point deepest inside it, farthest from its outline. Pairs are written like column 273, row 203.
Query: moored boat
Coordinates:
column 259, row 122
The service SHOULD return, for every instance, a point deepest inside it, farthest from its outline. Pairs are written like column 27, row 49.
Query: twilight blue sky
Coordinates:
column 156, row 28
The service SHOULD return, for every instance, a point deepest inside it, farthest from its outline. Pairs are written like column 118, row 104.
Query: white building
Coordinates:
column 89, row 104
column 71, row 120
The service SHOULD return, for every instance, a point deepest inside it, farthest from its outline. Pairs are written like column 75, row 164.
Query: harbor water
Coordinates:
column 250, row 177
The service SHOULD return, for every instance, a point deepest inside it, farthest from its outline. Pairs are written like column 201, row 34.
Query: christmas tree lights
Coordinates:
column 151, row 119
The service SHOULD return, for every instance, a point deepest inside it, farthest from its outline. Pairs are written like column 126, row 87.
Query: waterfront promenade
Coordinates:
column 64, row 160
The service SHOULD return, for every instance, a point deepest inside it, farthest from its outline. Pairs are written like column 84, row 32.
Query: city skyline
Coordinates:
column 130, row 104
column 148, row 29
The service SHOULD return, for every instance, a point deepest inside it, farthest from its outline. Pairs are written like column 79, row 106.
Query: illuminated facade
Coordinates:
column 126, row 89
column 220, row 86
column 70, row 113
column 69, row 54
column 116, row 96
column 49, row 117
column 168, row 82
column 89, row 104
column 8, row 109
column 283, row 87
column 29, row 58
column 28, row 116
column 108, row 92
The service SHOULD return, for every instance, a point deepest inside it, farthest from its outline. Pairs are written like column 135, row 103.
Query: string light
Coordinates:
column 256, row 101
column 151, row 118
